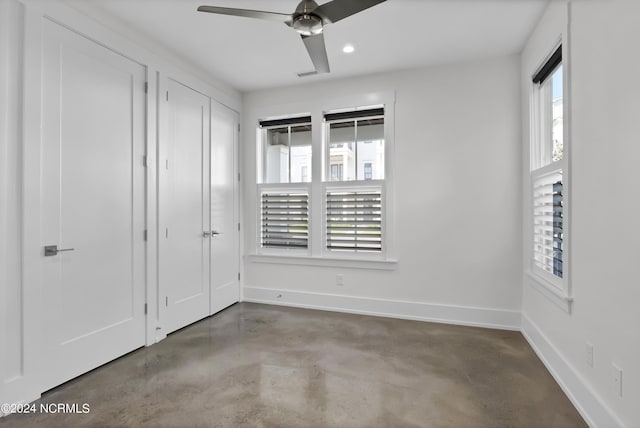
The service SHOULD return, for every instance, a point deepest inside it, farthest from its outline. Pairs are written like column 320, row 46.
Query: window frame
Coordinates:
column 540, row 102
column 316, row 254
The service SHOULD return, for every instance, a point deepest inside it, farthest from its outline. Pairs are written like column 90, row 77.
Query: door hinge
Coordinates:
column 144, row 234
column 144, row 161
column 146, row 87
column 145, row 309
column 238, row 176
column 238, row 276
column 166, row 164
column 238, row 127
column 238, row 227
column 167, row 95
column 166, row 233
column 166, row 301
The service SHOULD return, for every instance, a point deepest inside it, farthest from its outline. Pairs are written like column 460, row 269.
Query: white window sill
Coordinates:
column 324, row 261
column 550, row 291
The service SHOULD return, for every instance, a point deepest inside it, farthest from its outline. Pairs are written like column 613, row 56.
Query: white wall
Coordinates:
column 457, row 183
column 603, row 39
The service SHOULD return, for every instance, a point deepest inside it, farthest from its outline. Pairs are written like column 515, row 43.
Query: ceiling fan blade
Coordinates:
column 271, row 16
column 336, row 10
column 317, row 51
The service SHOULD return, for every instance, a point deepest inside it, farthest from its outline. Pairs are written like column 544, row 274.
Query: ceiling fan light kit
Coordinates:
column 308, row 20
column 308, row 25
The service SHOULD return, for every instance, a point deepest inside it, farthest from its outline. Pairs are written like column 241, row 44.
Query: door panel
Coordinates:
column 92, row 201
column 225, row 288
column 184, row 251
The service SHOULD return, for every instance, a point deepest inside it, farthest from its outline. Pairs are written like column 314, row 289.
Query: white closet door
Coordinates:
column 184, row 208
column 225, row 286
column 92, row 205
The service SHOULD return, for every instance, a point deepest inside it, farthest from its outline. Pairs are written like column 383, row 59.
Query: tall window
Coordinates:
column 284, row 174
column 354, row 203
column 548, row 167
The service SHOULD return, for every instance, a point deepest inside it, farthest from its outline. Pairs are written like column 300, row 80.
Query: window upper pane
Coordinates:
column 370, row 149
column 342, row 155
column 287, row 154
column 548, row 141
column 354, row 144
column 301, row 154
column 557, row 124
column 276, row 153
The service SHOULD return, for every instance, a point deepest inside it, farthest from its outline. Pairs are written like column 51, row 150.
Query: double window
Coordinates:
column 343, row 212
column 548, row 173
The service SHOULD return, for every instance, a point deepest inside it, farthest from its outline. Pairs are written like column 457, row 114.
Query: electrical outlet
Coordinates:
column 616, row 375
column 340, row 280
column 589, row 354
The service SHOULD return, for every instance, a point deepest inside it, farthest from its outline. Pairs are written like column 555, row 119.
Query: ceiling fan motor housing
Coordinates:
column 307, row 25
column 305, row 21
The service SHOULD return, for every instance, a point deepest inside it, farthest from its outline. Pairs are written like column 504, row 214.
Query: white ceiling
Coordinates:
column 252, row 54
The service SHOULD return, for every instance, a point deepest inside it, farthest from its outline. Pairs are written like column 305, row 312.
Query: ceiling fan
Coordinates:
column 308, row 20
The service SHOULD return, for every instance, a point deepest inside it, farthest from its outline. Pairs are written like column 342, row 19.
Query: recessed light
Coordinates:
column 348, row 49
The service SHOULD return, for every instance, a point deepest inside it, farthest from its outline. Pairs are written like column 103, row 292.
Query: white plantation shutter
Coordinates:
column 354, row 220
column 285, row 220
column 548, row 222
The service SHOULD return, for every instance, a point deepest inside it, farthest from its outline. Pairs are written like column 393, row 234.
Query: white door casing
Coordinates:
column 184, row 253
column 92, row 200
column 225, row 284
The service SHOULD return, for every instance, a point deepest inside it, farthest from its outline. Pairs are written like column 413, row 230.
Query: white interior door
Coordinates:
column 225, row 284
column 184, row 208
column 92, row 205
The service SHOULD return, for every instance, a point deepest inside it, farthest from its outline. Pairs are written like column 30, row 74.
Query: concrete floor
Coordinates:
column 268, row 366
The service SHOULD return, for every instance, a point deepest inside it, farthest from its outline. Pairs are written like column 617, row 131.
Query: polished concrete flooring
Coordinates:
column 269, row 366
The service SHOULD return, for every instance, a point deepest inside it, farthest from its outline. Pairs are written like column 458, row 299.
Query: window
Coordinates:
column 548, row 169
column 367, row 170
column 336, row 172
column 338, row 214
column 286, row 150
column 354, row 206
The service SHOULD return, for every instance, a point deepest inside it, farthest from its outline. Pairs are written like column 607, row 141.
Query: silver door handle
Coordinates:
column 52, row 250
column 208, row 234
column 214, row 233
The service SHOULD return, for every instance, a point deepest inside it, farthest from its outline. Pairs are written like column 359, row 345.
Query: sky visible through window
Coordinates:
column 557, row 83
column 557, row 131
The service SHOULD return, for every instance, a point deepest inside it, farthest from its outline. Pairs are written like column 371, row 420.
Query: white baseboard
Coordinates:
column 594, row 411
column 448, row 314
